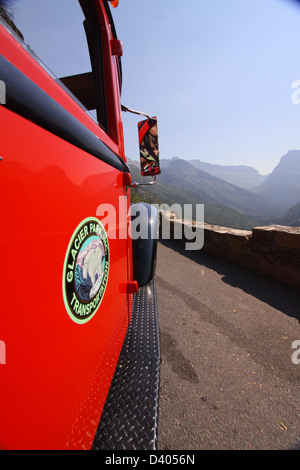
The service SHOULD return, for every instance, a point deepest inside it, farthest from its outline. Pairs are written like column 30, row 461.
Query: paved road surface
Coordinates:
column 227, row 376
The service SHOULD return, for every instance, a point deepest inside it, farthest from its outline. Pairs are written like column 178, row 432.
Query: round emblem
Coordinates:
column 86, row 270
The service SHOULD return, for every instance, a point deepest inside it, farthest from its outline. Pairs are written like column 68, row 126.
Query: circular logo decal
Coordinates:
column 86, row 270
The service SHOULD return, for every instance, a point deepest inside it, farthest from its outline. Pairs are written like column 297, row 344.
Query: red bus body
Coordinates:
column 57, row 372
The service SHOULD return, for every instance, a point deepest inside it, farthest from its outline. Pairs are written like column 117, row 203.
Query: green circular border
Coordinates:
column 69, row 311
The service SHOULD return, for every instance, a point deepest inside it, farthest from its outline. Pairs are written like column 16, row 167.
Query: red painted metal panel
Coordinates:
column 47, row 187
column 57, row 372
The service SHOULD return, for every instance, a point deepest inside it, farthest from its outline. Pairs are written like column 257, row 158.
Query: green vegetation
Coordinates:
column 169, row 194
column 292, row 216
column 227, row 204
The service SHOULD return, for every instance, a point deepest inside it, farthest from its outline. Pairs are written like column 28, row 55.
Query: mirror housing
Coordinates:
column 149, row 150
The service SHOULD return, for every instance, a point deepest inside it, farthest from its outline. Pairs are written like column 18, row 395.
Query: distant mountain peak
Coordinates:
column 292, row 157
column 243, row 176
column 283, row 184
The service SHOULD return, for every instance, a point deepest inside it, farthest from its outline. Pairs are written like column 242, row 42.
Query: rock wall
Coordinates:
column 273, row 251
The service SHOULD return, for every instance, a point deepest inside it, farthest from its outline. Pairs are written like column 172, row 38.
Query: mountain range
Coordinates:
column 283, row 184
column 234, row 196
column 243, row 176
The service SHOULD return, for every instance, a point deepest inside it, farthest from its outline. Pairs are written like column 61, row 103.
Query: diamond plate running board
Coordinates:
column 129, row 418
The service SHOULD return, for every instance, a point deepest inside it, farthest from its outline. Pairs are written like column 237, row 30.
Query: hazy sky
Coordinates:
column 218, row 74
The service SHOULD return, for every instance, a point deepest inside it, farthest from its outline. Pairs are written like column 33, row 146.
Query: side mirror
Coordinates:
column 149, row 151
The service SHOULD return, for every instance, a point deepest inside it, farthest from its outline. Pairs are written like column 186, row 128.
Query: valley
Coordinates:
column 233, row 196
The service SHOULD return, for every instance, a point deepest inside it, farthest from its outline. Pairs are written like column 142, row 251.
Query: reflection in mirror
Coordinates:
column 149, row 152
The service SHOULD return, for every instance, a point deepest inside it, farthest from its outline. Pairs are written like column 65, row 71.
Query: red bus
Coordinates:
column 77, row 299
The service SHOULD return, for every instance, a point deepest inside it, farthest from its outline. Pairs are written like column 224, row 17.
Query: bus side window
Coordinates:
column 64, row 36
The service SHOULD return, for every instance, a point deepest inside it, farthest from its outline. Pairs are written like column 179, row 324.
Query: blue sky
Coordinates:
column 218, row 74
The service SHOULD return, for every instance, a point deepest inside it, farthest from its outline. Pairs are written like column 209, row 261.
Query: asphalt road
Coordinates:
column 227, row 377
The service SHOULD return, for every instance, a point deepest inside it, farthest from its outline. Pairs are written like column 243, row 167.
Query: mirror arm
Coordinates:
column 135, row 185
column 123, row 108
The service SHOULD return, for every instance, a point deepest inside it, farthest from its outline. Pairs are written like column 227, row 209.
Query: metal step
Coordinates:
column 129, row 418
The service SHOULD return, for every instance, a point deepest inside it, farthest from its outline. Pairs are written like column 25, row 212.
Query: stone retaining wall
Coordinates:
column 273, row 251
